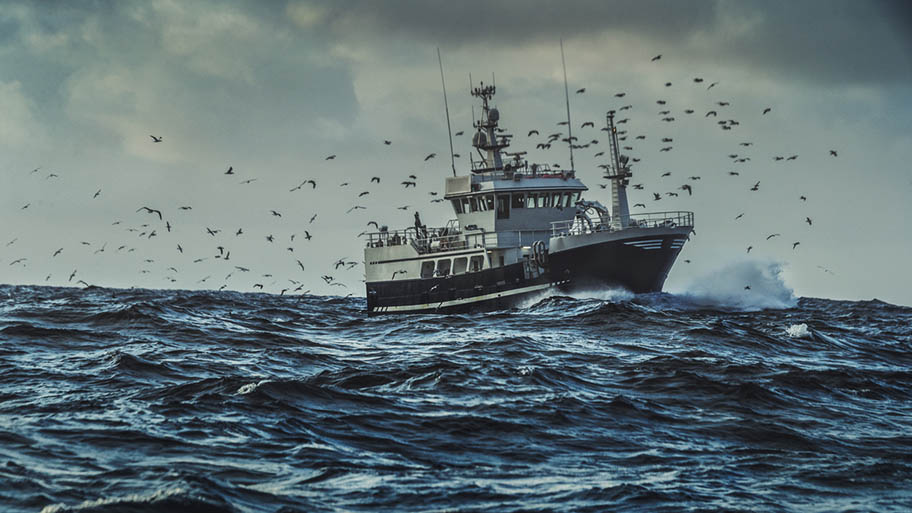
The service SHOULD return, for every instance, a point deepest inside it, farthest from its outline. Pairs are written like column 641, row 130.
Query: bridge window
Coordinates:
column 488, row 201
column 530, row 200
column 465, row 205
column 519, row 201
column 544, row 200
column 476, row 263
column 503, row 206
column 427, row 269
column 459, row 265
column 443, row 267
column 473, row 203
column 556, row 200
column 457, row 206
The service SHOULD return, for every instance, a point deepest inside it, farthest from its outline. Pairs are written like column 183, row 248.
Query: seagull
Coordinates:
column 307, row 235
column 768, row 237
column 749, row 248
column 833, row 153
column 808, row 221
column 714, row 84
column 239, row 232
column 588, row 123
column 212, row 232
column 97, row 193
column 230, row 170
column 276, row 214
column 747, row 287
column 186, row 208
column 457, row 134
column 666, row 173
column 793, row 157
column 331, row 157
column 739, row 216
column 532, row 132
column 657, row 57
column 151, row 211
column 795, row 245
column 365, row 193
column 656, row 196
column 621, row 95
column 156, row 139
column 179, row 248
column 711, row 113
column 301, row 264
column 14, row 262
column 387, row 142
column 639, row 205
column 57, row 252
column 766, row 110
column 400, row 271
column 251, row 180
column 356, row 207
column 430, row 156
column 687, row 188
column 375, row 179
column 72, row 275
column 581, row 90
column 756, row 187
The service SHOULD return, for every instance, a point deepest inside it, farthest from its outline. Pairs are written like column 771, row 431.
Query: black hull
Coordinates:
column 638, row 264
column 627, row 264
column 490, row 289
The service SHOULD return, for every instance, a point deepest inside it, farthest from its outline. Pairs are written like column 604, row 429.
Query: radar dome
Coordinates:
column 480, row 139
column 493, row 115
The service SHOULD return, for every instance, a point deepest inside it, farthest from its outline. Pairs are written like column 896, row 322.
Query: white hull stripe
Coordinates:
column 465, row 301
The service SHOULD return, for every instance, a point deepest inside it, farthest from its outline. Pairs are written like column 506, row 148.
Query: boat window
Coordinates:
column 465, row 205
column 545, row 200
column 443, row 267
column 556, row 200
column 566, row 199
column 530, row 200
column 576, row 197
column 476, row 263
column 459, row 265
column 503, row 206
column 427, row 269
column 457, row 206
column 489, row 201
column 473, row 203
column 519, row 201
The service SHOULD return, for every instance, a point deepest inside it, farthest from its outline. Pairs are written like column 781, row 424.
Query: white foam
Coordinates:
column 725, row 287
column 134, row 497
column 249, row 387
column 798, row 331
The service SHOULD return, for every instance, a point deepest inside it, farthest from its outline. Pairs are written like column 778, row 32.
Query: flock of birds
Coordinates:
column 156, row 222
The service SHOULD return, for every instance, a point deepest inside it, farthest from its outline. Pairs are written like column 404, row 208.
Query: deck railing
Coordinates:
column 579, row 226
column 438, row 240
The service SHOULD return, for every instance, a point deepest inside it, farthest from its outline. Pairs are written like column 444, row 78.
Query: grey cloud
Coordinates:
column 825, row 40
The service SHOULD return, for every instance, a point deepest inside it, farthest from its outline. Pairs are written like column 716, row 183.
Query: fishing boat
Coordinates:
column 521, row 229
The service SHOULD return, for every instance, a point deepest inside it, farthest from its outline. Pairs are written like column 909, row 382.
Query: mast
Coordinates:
column 620, row 212
column 567, row 97
column 446, row 107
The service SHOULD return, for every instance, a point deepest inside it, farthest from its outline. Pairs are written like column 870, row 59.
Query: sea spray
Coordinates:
column 745, row 285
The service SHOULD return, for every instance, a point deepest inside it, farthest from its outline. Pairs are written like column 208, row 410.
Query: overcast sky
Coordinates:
column 272, row 88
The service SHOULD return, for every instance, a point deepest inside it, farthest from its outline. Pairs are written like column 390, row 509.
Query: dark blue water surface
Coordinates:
column 139, row 400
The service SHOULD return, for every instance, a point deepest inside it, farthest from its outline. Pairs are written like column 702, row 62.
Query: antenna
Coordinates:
column 567, row 96
column 447, row 108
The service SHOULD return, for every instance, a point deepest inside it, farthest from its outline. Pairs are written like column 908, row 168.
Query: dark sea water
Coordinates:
column 140, row 400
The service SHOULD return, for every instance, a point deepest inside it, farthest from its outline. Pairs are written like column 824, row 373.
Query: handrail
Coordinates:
column 576, row 226
column 441, row 240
